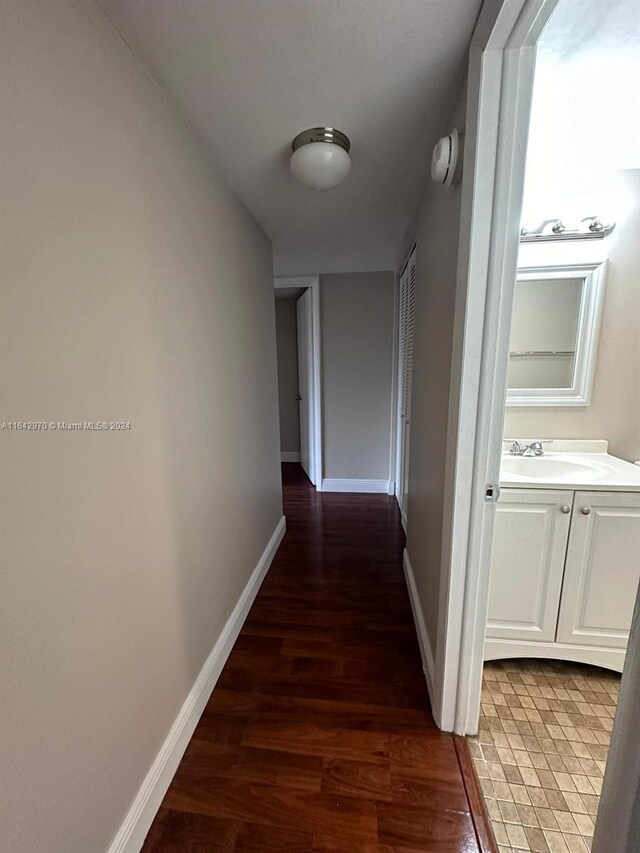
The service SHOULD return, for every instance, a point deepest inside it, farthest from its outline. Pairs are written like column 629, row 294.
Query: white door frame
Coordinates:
column 312, row 282
column 500, row 85
column 501, row 70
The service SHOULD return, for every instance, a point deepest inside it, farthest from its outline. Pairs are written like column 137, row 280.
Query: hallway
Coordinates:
column 318, row 736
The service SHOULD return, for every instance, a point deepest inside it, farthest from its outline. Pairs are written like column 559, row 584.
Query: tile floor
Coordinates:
column 541, row 750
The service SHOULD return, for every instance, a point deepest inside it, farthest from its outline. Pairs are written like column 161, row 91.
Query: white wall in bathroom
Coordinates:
column 584, row 159
column 614, row 412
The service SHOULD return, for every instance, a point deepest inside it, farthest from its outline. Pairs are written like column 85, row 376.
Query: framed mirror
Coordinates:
column 554, row 334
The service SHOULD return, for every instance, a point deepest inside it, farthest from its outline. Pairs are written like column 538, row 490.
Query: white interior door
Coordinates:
column 304, row 308
column 602, row 570
column 527, row 562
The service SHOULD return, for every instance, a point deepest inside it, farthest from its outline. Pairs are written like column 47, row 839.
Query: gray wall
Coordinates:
column 136, row 287
column 287, row 340
column 614, row 412
column 357, row 356
column 436, row 234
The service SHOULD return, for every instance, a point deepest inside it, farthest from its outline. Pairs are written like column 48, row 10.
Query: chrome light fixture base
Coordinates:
column 321, row 134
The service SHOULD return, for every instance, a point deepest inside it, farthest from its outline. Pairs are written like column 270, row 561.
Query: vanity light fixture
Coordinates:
column 555, row 229
column 320, row 158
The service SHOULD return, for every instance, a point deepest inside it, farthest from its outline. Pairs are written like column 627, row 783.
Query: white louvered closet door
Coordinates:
column 405, row 375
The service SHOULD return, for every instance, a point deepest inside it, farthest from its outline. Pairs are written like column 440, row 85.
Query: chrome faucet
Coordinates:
column 533, row 449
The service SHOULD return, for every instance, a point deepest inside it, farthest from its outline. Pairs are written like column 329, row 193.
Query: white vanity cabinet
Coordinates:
column 564, row 573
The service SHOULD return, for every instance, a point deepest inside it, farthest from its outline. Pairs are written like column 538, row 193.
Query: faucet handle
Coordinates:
column 536, row 447
column 515, row 449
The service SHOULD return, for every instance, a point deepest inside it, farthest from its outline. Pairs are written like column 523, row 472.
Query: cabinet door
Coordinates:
column 527, row 561
column 602, row 570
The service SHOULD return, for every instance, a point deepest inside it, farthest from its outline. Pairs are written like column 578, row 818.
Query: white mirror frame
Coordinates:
column 579, row 394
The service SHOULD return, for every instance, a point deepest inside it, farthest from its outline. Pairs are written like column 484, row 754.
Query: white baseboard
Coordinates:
column 289, row 455
column 132, row 833
column 428, row 660
column 391, row 487
column 370, row 486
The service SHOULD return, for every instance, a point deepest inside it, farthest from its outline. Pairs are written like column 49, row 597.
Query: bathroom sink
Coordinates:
column 559, row 468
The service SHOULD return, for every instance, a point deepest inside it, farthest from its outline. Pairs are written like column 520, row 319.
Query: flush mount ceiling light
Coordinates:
column 320, row 158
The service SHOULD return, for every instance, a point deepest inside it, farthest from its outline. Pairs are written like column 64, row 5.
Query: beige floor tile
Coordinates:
column 590, row 802
column 530, row 777
column 575, row 803
column 556, row 763
column 538, row 798
column 495, row 771
column 527, row 816
column 508, row 812
column 524, row 758
column 517, row 836
column 585, row 824
column 513, row 774
column 566, row 822
column 502, row 791
column 565, row 781
column 520, row 794
column 536, row 839
column 541, row 752
column 500, row 832
column 577, row 844
column 596, row 784
column 556, row 799
column 546, row 818
column 505, row 755
column 556, row 842
column 583, row 784
column 540, row 761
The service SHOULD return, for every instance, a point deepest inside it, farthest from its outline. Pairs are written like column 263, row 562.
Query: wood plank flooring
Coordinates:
column 318, row 737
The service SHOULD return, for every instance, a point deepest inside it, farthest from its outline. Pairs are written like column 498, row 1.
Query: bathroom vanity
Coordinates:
column 566, row 556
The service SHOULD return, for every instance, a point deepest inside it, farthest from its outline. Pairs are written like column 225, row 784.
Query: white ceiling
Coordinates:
column 248, row 75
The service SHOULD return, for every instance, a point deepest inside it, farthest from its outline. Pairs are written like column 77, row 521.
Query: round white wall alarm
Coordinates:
column 445, row 158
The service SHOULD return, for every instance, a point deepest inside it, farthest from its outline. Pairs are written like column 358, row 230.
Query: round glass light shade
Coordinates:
column 320, row 165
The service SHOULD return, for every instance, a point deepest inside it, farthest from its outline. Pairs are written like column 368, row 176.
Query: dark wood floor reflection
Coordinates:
column 318, row 737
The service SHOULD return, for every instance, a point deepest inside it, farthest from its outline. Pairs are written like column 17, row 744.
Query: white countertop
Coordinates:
column 575, row 465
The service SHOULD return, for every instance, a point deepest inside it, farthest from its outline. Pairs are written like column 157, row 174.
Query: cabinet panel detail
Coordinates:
column 602, row 570
column 529, row 546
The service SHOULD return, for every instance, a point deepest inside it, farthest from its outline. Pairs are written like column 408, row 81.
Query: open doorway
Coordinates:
column 297, row 309
column 549, row 587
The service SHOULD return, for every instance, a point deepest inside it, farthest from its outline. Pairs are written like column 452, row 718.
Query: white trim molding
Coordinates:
column 500, row 85
column 289, row 455
column 595, row 655
column 426, row 652
column 370, row 486
column 133, row 830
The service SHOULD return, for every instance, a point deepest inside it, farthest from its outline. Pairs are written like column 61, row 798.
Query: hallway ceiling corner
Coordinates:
column 248, row 76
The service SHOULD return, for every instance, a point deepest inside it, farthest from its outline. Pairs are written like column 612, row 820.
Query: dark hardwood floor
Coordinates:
column 318, row 737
